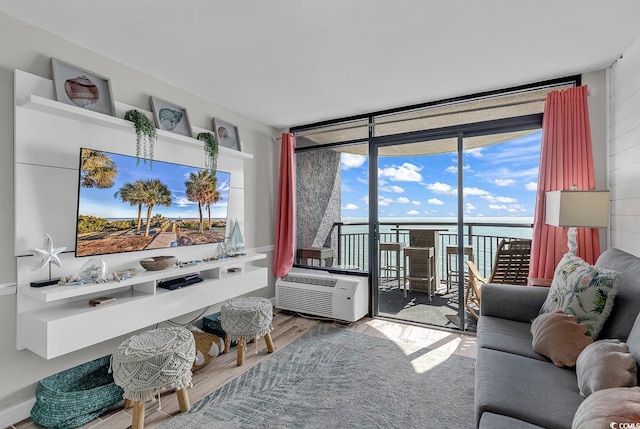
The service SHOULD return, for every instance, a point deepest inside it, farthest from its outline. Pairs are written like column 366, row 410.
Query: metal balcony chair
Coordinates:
column 511, row 266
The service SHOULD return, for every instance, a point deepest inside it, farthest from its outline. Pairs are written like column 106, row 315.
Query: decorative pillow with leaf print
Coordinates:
column 584, row 291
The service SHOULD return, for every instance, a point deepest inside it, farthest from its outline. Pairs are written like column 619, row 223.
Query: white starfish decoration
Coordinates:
column 48, row 255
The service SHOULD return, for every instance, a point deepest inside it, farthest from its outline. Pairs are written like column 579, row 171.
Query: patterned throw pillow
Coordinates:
column 584, row 291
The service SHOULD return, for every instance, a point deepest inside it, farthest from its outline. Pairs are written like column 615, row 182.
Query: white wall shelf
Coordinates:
column 58, row 329
column 45, row 105
column 208, row 269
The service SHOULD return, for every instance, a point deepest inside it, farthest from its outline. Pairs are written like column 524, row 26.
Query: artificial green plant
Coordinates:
column 146, row 135
column 210, row 151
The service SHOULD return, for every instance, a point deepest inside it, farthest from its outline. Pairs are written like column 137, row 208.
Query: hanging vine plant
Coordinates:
column 146, row 135
column 210, row 151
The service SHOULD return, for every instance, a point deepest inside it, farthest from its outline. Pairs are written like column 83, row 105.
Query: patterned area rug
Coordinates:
column 333, row 378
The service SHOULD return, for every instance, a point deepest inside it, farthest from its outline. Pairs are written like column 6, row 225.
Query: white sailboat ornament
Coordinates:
column 236, row 241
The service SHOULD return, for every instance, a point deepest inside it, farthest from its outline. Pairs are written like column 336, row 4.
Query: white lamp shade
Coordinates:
column 587, row 209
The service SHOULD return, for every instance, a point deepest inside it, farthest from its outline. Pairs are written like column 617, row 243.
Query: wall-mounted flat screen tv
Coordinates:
column 125, row 205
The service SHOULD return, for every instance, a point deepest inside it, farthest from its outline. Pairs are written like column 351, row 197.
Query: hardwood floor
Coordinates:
column 286, row 329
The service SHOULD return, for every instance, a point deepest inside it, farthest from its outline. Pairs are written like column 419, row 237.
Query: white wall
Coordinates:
column 624, row 150
column 27, row 48
column 597, row 99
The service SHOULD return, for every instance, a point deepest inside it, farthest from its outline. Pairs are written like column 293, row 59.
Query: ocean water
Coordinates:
column 497, row 227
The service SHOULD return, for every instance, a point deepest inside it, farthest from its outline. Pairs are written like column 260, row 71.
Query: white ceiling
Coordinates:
column 291, row 62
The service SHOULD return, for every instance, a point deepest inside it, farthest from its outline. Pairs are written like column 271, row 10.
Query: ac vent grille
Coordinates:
column 306, row 301
column 315, row 281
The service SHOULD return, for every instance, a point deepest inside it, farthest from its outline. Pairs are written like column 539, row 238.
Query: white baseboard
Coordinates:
column 16, row 413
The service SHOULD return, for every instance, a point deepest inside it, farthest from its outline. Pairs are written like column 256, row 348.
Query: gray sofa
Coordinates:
column 518, row 388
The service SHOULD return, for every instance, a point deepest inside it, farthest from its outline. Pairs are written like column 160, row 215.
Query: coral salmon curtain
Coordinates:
column 566, row 159
column 285, row 221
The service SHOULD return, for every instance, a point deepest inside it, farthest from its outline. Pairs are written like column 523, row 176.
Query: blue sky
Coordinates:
column 500, row 181
column 101, row 203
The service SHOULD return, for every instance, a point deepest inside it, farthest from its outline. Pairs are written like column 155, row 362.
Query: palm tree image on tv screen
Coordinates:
column 125, row 207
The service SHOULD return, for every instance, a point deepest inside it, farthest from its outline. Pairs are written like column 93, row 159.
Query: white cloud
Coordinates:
column 474, row 191
column 223, row 186
column 435, row 201
column 405, row 173
column 439, row 188
column 349, row 160
column 476, row 153
column 181, row 201
column 413, row 212
column 514, row 173
column 503, row 200
column 392, row 188
column 516, row 209
column 454, row 168
column 403, row 200
column 350, row 207
column 468, row 207
column 504, row 182
column 363, row 180
column 531, row 186
column 510, row 208
column 416, row 203
column 383, row 201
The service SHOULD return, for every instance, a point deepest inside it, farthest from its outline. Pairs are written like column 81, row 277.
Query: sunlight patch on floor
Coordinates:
column 423, row 358
column 424, row 347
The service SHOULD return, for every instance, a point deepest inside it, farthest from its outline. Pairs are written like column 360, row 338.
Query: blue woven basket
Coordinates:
column 213, row 325
column 76, row 396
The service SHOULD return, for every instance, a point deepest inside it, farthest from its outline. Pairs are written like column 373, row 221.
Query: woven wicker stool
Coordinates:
column 386, row 265
column 246, row 318
column 451, row 269
column 148, row 363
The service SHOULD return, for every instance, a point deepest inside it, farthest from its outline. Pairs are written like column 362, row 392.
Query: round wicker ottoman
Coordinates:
column 243, row 318
column 148, row 363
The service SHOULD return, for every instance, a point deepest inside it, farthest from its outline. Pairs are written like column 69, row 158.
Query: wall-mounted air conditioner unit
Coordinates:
column 321, row 293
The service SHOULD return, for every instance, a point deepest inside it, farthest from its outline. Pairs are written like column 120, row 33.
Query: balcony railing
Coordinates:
column 353, row 240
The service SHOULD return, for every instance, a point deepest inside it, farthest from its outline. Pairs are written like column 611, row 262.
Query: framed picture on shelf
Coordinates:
column 170, row 117
column 227, row 134
column 83, row 88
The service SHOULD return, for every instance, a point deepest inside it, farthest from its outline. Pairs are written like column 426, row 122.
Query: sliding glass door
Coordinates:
column 417, row 212
column 440, row 202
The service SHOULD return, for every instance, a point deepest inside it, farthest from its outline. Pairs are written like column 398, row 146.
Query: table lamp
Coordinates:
column 577, row 209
